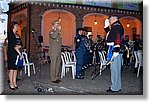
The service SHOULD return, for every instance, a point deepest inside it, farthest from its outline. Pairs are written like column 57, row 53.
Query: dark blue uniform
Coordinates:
column 80, row 51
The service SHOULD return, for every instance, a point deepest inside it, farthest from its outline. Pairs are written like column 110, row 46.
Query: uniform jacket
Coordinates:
column 55, row 43
column 116, row 34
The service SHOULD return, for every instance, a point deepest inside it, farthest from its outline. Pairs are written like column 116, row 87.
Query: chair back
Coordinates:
column 101, row 56
column 74, row 56
column 25, row 58
column 104, row 55
column 64, row 58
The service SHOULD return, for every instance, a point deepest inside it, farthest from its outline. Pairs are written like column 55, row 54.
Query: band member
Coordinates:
column 126, row 58
column 80, row 52
column 115, row 34
column 55, row 51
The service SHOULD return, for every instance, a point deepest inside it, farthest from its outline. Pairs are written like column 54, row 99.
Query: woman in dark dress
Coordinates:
column 14, row 41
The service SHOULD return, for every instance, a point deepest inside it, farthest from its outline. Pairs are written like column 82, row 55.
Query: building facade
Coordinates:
column 39, row 16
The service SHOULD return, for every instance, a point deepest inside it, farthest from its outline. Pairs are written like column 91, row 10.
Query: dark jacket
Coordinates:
column 116, row 34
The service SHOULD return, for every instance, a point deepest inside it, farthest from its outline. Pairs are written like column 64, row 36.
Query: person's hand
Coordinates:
column 106, row 23
column 21, row 57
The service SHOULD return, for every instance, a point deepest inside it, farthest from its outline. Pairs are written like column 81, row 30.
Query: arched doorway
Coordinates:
column 132, row 26
column 67, row 23
column 96, row 22
column 22, row 30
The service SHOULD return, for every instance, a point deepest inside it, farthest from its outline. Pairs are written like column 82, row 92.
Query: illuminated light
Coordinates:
column 95, row 22
column 128, row 25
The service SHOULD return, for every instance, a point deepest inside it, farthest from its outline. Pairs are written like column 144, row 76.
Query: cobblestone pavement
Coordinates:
column 131, row 85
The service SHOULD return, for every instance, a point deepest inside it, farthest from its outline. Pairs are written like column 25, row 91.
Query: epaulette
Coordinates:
column 116, row 24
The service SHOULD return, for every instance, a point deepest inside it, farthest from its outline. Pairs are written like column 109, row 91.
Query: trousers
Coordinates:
column 115, row 71
column 55, row 66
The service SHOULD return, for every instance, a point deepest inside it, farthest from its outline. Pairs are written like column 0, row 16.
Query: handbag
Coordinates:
column 19, row 61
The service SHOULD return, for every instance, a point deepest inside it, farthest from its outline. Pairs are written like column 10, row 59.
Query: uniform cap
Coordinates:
column 56, row 22
column 114, row 15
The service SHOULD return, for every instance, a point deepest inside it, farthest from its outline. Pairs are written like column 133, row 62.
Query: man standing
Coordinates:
column 80, row 52
column 126, row 58
column 55, row 51
column 115, row 36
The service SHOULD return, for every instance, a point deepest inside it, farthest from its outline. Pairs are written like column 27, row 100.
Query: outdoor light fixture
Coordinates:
column 95, row 22
column 59, row 16
column 128, row 25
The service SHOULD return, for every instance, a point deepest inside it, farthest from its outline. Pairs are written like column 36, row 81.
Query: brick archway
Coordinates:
column 134, row 26
column 97, row 29
column 68, row 24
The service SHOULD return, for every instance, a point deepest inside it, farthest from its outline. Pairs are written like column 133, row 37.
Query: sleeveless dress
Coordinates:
column 12, row 53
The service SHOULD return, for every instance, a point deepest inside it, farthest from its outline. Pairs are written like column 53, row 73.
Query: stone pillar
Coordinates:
column 35, row 23
column 79, row 22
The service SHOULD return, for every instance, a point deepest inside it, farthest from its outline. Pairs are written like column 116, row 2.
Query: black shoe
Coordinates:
column 109, row 90
column 57, row 81
column 79, row 77
column 16, row 87
column 12, row 88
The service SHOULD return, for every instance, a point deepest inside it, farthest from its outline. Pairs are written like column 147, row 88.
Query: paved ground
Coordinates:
column 131, row 85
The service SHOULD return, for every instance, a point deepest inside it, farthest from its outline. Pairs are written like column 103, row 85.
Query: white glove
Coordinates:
column 106, row 23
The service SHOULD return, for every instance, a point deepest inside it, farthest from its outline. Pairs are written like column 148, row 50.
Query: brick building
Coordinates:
column 39, row 15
